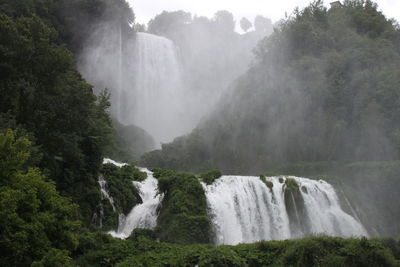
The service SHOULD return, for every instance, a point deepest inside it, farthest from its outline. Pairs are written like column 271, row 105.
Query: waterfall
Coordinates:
column 244, row 210
column 156, row 101
column 142, row 215
column 110, row 161
column 104, row 192
column 143, row 74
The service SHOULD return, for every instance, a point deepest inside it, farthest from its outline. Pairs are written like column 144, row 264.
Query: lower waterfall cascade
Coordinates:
column 142, row 215
column 246, row 209
column 243, row 209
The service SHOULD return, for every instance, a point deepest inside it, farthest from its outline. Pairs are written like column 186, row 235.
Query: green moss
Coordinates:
column 291, row 185
column 268, row 183
column 183, row 218
column 210, row 176
column 138, row 234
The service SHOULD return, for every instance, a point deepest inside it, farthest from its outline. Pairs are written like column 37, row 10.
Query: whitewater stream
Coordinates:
column 244, row 209
column 142, row 215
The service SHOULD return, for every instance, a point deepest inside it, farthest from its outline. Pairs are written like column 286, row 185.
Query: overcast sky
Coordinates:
column 274, row 9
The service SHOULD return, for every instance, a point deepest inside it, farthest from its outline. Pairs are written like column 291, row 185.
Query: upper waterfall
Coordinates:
column 155, row 102
column 244, row 210
column 144, row 76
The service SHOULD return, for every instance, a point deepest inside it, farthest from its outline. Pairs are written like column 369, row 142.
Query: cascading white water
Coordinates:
column 142, row 215
column 143, row 74
column 156, row 103
column 104, row 192
column 244, row 210
column 110, row 161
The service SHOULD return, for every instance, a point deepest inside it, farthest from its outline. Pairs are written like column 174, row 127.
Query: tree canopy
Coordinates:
column 34, row 218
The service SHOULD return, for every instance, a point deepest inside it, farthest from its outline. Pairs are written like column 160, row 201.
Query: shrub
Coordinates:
column 210, row 176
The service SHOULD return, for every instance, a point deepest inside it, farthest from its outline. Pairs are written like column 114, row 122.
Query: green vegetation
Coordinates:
column 37, row 224
column 121, row 189
column 295, row 207
column 120, row 185
column 268, row 183
column 291, row 184
column 43, row 95
column 183, row 218
column 210, row 176
column 46, row 101
column 315, row 251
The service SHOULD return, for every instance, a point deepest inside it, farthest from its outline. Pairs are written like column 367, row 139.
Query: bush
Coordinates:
column 183, row 218
column 315, row 251
column 210, row 176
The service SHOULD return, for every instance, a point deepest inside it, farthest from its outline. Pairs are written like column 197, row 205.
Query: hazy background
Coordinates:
column 275, row 10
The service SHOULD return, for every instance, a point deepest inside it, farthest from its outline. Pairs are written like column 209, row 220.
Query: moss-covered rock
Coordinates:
column 183, row 218
column 210, row 176
column 119, row 183
column 268, row 183
column 295, row 207
column 291, row 184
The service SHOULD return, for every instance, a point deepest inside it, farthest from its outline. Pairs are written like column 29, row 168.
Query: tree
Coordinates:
column 34, row 218
column 46, row 96
column 224, row 21
column 139, row 27
column 168, row 22
column 263, row 25
column 245, row 24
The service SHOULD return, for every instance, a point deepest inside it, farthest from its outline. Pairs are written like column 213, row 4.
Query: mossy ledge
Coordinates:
column 183, row 218
column 268, row 183
column 210, row 176
column 121, row 189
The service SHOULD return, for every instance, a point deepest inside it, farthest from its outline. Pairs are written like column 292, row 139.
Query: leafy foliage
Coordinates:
column 210, row 176
column 183, row 218
column 315, row 251
column 268, row 183
column 124, row 194
column 45, row 97
column 35, row 219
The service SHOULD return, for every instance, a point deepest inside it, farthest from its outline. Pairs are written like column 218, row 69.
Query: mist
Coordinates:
column 167, row 79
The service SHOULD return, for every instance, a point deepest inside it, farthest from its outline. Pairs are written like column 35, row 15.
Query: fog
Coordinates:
column 167, row 79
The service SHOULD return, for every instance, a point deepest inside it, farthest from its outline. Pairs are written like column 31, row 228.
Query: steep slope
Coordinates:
column 325, row 88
